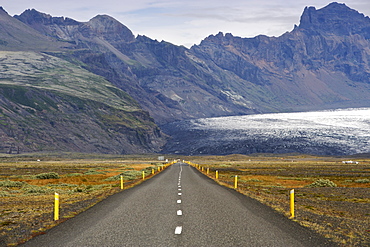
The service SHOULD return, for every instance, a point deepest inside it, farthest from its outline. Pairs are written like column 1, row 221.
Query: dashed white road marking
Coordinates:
column 178, row 230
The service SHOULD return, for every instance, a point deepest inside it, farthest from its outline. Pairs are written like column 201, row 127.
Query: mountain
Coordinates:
column 322, row 63
column 17, row 36
column 162, row 77
column 50, row 104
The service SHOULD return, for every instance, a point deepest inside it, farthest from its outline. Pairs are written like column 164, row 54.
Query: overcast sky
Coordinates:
column 186, row 22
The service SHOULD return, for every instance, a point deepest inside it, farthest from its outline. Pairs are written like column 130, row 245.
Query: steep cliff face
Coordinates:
column 166, row 80
column 338, row 37
column 322, row 63
column 32, row 119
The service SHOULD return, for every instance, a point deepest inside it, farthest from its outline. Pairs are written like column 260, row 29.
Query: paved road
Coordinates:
column 179, row 207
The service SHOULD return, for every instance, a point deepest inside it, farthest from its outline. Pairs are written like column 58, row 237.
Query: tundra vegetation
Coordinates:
column 331, row 198
column 27, row 188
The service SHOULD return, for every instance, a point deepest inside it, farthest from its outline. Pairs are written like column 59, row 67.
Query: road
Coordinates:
column 179, row 207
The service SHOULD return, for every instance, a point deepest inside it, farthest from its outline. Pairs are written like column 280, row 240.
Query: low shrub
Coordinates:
column 322, row 183
column 9, row 183
column 224, row 165
column 36, row 190
column 90, row 188
column 62, row 185
column 127, row 175
column 79, row 189
column 363, row 180
column 48, row 175
column 114, row 178
column 93, row 172
column 147, row 170
column 5, row 194
column 131, row 174
column 100, row 187
column 254, row 180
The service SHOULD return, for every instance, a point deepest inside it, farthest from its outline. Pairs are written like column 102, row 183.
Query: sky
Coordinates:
column 186, row 22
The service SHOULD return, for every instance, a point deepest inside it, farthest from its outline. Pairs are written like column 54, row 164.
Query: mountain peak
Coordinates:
column 107, row 26
column 32, row 16
column 335, row 18
column 2, row 10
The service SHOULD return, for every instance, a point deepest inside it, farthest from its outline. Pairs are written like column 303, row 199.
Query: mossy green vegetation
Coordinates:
column 322, row 183
column 51, row 104
column 46, row 72
column 47, row 175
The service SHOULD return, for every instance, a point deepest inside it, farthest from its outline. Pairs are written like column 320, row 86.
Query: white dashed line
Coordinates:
column 178, row 230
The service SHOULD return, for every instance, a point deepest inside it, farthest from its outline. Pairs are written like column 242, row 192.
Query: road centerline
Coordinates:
column 178, row 230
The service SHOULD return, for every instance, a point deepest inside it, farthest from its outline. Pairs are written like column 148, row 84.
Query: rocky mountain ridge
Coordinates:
column 322, row 63
column 50, row 104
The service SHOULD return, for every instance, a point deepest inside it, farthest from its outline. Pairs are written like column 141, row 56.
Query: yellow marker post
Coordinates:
column 208, row 170
column 217, row 174
column 56, row 207
column 292, row 204
column 159, row 168
column 152, row 171
column 143, row 175
column 202, row 169
column 122, row 185
column 236, row 182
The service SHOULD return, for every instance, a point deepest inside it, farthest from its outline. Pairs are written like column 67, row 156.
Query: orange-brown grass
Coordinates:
column 265, row 180
column 340, row 213
column 24, row 214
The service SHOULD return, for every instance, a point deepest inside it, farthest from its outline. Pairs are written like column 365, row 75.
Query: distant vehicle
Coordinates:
column 350, row 162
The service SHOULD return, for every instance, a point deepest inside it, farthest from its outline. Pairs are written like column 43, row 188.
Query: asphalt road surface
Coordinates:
column 179, row 207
